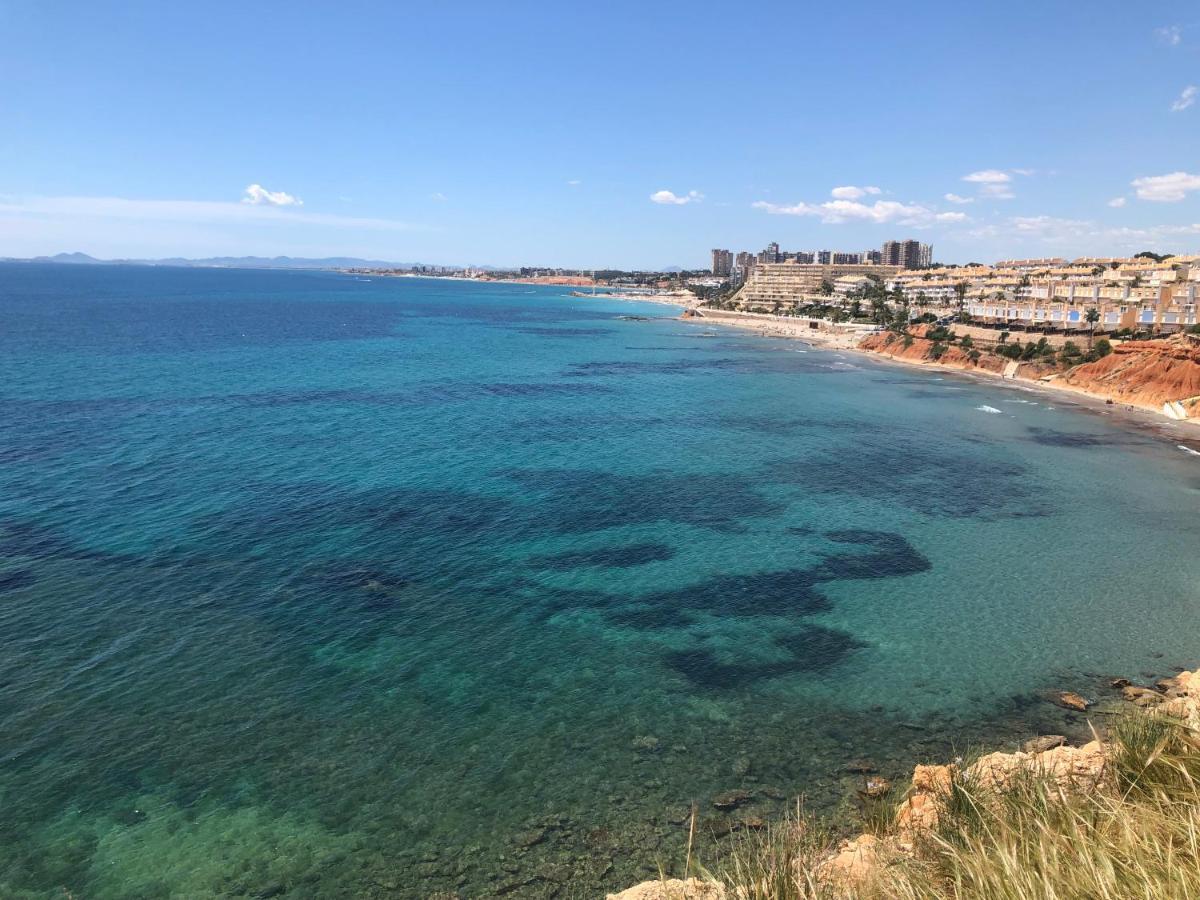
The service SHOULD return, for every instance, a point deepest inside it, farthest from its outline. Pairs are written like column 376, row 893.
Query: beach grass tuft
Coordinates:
column 1134, row 834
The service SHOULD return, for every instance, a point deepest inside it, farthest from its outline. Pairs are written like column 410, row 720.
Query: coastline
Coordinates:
column 1142, row 417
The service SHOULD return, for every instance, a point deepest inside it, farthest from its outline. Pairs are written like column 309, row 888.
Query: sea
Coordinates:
column 324, row 585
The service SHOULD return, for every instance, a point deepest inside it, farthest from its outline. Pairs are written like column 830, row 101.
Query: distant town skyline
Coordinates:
column 623, row 137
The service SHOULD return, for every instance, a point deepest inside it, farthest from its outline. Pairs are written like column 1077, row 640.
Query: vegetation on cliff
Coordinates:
column 1141, row 373
column 1115, row 818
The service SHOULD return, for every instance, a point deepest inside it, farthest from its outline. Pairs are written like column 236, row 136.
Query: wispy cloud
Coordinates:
column 1171, row 35
column 850, row 192
column 837, row 212
column 574, row 182
column 257, row 195
column 1117, row 202
column 438, row 196
column 1169, row 188
column 1186, row 98
column 955, row 198
column 1079, row 236
column 671, row 199
column 993, row 183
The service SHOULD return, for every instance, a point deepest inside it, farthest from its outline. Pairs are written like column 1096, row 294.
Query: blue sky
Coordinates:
column 544, row 133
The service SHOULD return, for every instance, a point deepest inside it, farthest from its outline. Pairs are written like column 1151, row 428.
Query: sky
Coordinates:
column 618, row 134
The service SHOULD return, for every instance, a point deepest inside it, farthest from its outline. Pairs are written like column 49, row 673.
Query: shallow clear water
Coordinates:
column 313, row 586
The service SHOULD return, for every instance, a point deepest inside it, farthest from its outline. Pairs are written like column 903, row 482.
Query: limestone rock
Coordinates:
column 1141, row 696
column 853, row 864
column 932, row 779
column 876, row 786
column 1071, row 700
column 920, row 812
column 731, row 799
column 673, row 889
column 1068, row 766
column 1043, row 743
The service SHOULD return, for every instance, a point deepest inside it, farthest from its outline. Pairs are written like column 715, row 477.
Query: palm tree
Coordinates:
column 1092, row 316
column 960, row 291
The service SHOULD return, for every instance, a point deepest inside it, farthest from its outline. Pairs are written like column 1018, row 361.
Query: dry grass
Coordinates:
column 1137, row 835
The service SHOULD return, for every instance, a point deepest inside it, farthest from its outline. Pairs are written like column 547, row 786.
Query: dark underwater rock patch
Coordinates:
column 812, row 649
column 16, row 579
column 1050, row 437
column 890, row 555
column 22, row 538
column 549, row 331
column 791, row 592
column 641, row 367
column 579, row 500
column 618, row 557
column 945, row 481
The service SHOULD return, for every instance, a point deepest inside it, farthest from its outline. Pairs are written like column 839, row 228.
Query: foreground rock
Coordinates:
column 673, row 889
column 852, row 866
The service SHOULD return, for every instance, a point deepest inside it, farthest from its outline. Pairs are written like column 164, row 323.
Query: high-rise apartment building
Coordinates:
column 769, row 255
column 744, row 261
column 906, row 254
column 722, row 263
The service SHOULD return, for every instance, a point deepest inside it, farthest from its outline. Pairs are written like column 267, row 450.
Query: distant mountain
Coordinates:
column 228, row 262
column 81, row 259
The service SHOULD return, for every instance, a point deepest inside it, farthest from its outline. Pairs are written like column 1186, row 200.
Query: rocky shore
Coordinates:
column 854, row 862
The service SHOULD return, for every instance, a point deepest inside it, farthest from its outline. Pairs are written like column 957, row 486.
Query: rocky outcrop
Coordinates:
column 1144, row 373
column 673, row 889
column 854, row 865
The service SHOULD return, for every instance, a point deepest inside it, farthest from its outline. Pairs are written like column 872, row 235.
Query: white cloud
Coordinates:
column 1171, row 35
column 1185, row 99
column 988, row 176
column 850, row 192
column 955, row 198
column 257, row 195
column 438, row 196
column 574, row 182
column 669, row 198
column 837, row 212
column 1166, row 188
column 993, row 183
column 1117, row 202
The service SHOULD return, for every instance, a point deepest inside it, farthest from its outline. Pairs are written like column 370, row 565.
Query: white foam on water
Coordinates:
column 987, row 409
column 1188, row 450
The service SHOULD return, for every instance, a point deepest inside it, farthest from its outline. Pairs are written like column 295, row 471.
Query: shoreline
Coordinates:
column 1127, row 414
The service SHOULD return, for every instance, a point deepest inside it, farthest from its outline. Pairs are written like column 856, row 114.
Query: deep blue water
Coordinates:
column 313, row 586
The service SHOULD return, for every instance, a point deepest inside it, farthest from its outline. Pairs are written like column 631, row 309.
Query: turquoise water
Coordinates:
column 313, row 586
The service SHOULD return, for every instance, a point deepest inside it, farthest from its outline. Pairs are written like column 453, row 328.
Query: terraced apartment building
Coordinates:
column 1135, row 293
column 788, row 283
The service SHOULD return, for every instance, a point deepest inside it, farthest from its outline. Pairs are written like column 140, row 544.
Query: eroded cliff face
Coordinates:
column 1144, row 373
column 1161, row 375
column 920, row 350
